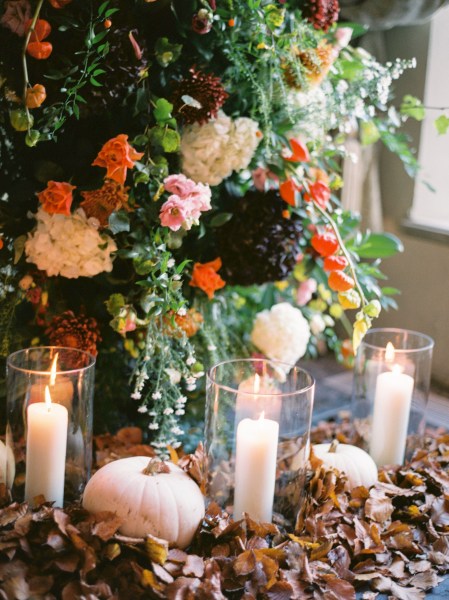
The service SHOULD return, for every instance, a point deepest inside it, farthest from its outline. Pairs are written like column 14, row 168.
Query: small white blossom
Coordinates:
column 176, row 277
column 153, row 426
column 181, row 400
column 190, row 380
column 168, row 411
column 176, row 445
column 136, row 395
column 171, row 263
column 174, row 375
column 191, row 360
column 176, row 430
column 142, row 409
column 180, row 411
column 182, row 311
column 211, row 348
column 156, row 395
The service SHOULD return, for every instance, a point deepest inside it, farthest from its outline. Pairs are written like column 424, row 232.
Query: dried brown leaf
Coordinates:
column 193, row 566
column 245, row 563
column 12, row 512
column 387, row 585
column 379, row 509
column 130, row 435
column 106, row 525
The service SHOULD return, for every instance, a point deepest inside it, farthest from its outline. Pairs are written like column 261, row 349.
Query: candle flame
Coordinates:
column 262, row 416
column 53, row 369
column 389, row 352
column 256, row 387
column 47, row 398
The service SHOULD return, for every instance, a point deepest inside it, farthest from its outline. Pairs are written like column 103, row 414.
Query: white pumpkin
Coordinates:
column 359, row 467
column 168, row 505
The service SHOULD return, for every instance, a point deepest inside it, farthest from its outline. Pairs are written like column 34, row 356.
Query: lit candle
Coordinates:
column 46, row 450
column 61, row 388
column 255, row 394
column 392, row 402
column 255, row 468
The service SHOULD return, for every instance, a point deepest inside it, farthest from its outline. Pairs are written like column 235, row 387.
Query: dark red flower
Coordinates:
column 198, row 97
column 321, row 13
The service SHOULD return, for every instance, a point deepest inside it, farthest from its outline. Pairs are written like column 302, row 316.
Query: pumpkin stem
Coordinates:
column 156, row 466
column 334, row 446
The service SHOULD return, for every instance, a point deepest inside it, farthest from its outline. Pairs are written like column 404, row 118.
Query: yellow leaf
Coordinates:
column 157, row 549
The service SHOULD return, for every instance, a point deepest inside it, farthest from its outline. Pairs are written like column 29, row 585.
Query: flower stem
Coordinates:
column 26, row 82
column 334, row 226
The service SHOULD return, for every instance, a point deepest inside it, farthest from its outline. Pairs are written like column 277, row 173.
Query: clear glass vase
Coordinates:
column 391, row 388
column 48, row 442
column 258, row 417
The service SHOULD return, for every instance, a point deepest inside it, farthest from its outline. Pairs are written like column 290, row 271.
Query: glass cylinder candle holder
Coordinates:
column 390, row 393
column 258, row 417
column 48, row 442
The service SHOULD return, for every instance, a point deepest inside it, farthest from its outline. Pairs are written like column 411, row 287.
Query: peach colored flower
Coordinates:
column 57, row 198
column 205, row 277
column 117, row 156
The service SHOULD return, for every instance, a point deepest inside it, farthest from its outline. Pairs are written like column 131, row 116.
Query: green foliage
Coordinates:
column 442, row 124
column 413, row 107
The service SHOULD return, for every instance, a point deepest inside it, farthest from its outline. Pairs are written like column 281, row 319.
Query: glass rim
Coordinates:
column 91, row 358
column 228, row 388
column 429, row 346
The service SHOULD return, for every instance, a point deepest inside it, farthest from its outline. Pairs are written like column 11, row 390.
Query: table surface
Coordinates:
column 333, row 380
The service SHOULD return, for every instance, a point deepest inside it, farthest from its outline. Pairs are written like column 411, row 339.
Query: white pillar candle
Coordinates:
column 257, row 393
column 46, row 450
column 255, row 468
column 392, row 404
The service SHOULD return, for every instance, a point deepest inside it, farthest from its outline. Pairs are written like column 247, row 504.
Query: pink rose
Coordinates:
column 17, row 13
column 174, row 212
column 305, row 291
column 179, row 184
column 264, row 179
column 343, row 36
column 201, row 197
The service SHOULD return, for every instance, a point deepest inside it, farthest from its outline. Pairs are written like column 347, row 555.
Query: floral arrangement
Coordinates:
column 170, row 197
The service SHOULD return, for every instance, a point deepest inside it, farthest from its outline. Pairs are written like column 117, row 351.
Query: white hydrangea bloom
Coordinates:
column 212, row 151
column 281, row 333
column 70, row 246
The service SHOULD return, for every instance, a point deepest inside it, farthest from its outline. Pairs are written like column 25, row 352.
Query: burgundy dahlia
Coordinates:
column 321, row 13
column 198, row 97
column 74, row 331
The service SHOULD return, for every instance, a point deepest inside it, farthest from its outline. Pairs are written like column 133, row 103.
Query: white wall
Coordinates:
column 422, row 271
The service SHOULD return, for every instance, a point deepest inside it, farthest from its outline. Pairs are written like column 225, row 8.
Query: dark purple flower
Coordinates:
column 202, row 22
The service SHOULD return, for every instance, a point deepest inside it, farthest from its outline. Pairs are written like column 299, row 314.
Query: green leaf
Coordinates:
column 221, row 219
column 97, row 38
column 76, row 111
column 369, row 134
column 103, row 7
column 163, row 109
column 412, row 107
column 390, row 291
column 19, row 247
column 442, row 124
column 119, row 221
column 379, row 245
column 114, row 304
column 95, row 83
column 110, row 12
column 167, row 139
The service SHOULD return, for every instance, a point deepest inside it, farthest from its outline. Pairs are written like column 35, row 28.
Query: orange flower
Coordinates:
column 101, row 203
column 57, row 197
column 35, row 96
column 287, row 190
column 205, row 277
column 117, row 156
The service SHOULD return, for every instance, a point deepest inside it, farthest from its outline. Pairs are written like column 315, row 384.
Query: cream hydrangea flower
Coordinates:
column 212, row 151
column 70, row 246
column 281, row 333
